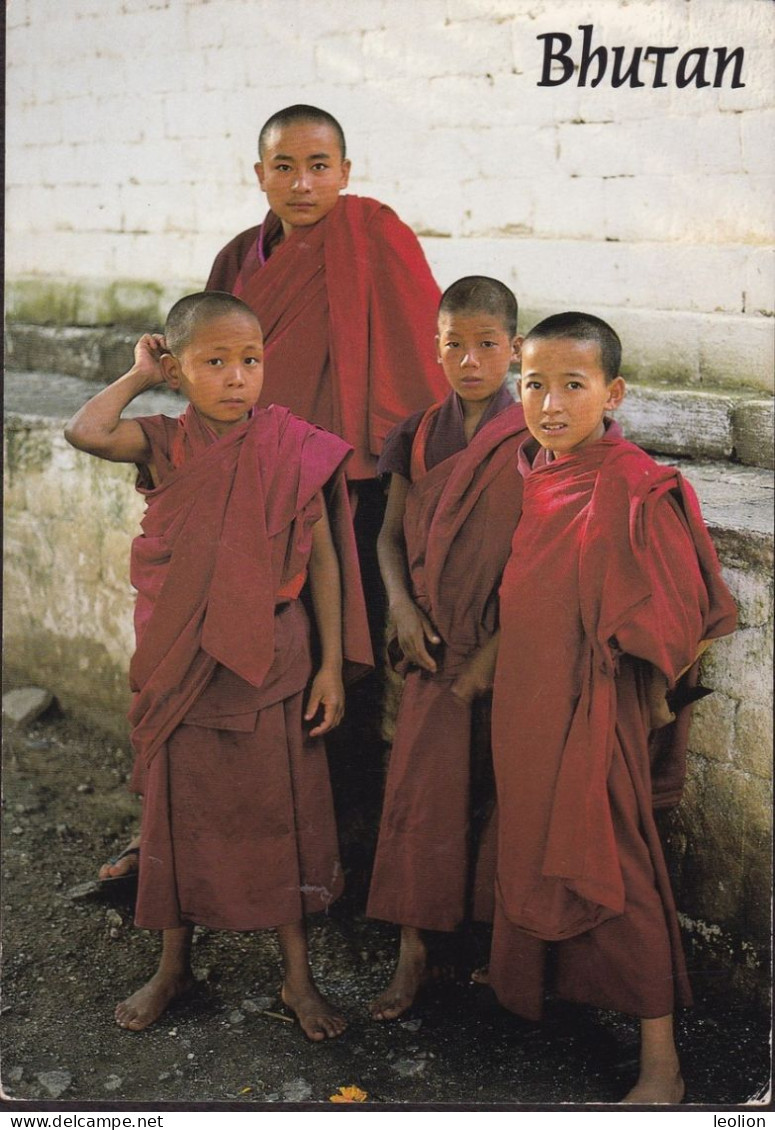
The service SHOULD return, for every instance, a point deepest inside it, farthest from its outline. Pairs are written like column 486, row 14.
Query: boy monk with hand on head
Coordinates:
column 452, row 507
column 238, row 825
column 612, row 586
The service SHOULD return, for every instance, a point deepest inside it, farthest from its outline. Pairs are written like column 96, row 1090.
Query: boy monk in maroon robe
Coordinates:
column 341, row 287
column 238, row 825
column 452, row 508
column 612, row 586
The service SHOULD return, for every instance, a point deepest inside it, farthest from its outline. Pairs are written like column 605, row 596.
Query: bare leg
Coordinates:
column 125, row 864
column 410, row 973
column 660, row 1079
column 172, row 979
column 318, row 1018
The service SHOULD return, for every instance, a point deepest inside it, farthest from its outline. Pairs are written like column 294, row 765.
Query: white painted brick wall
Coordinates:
column 140, row 117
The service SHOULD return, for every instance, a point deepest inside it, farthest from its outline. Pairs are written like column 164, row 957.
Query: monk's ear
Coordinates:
column 516, row 347
column 170, row 366
column 259, row 170
column 616, row 392
column 346, row 166
column 437, row 339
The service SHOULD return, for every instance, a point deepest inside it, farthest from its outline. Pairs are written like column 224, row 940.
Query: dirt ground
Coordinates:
column 70, row 952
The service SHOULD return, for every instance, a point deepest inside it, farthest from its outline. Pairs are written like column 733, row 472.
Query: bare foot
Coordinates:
column 148, row 1003
column 651, row 1090
column 318, row 1018
column 410, row 975
column 126, row 863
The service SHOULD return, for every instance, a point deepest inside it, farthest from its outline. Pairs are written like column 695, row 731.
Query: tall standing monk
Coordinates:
column 342, row 288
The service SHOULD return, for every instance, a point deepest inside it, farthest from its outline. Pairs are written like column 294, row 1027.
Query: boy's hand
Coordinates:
column 476, row 678
column 327, row 693
column 413, row 628
column 148, row 350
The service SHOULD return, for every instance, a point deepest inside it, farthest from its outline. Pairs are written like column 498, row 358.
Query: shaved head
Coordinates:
column 193, row 311
column 292, row 115
column 479, row 293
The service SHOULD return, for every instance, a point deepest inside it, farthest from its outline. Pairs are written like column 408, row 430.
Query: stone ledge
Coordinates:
column 704, row 425
column 94, row 353
column 737, row 504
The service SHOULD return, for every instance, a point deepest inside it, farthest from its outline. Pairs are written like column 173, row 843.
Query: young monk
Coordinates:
column 341, row 287
column 452, row 508
column 612, row 585
column 238, row 826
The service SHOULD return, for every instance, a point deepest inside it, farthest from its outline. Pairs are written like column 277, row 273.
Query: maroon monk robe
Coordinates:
column 238, row 825
column 348, row 309
column 612, row 571
column 459, row 520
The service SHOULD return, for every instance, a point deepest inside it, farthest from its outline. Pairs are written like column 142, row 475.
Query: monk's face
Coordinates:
column 221, row 370
column 302, row 173
column 475, row 350
column 565, row 393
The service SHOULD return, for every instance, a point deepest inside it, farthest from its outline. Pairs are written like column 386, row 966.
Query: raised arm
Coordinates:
column 326, row 588
column 412, row 626
column 98, row 428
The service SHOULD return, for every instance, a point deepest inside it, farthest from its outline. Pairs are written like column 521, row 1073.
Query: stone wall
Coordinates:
column 131, row 140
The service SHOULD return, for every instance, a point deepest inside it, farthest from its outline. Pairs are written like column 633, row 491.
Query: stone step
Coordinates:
column 55, row 396
column 703, row 425
column 737, row 504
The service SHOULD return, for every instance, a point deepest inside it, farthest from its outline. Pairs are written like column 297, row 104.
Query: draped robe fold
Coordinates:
column 238, row 826
column 612, row 573
column 348, row 309
column 435, row 855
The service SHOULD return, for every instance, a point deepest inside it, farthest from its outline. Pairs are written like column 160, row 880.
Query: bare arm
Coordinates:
column 325, row 586
column 412, row 626
column 98, row 428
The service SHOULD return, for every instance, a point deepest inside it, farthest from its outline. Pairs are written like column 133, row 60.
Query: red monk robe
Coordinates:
column 461, row 510
column 612, row 571
column 348, row 309
column 238, row 825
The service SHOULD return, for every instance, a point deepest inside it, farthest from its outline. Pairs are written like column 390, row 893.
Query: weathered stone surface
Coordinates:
column 753, row 593
column 755, row 806
column 24, row 704
column 752, row 428
column 713, row 727
column 740, row 665
column 736, row 501
column 753, row 738
column 713, row 821
column 678, row 421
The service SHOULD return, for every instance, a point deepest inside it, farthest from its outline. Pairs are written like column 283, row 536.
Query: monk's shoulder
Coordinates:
column 630, row 463
column 228, row 262
column 292, row 427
